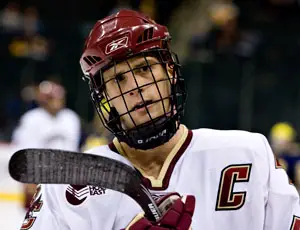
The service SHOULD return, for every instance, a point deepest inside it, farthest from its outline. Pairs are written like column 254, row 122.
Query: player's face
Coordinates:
column 153, row 83
column 54, row 105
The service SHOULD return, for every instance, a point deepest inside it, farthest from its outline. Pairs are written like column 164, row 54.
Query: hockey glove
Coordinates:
column 177, row 214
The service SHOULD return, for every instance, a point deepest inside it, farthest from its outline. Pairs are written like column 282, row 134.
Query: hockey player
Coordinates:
column 211, row 179
column 284, row 145
column 49, row 126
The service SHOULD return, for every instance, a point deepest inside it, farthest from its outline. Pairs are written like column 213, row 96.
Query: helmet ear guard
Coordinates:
column 104, row 106
column 100, row 103
column 111, row 114
column 107, row 113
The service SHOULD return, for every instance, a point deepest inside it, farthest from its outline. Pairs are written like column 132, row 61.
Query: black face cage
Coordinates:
column 156, row 131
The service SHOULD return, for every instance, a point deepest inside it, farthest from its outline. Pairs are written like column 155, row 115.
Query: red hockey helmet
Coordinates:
column 117, row 38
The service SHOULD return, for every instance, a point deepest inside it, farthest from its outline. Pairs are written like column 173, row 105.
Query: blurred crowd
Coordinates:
column 239, row 58
column 24, row 50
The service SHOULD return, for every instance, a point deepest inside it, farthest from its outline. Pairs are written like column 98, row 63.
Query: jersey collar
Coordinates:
column 162, row 181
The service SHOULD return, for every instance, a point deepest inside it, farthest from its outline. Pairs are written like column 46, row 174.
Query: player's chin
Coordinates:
column 141, row 118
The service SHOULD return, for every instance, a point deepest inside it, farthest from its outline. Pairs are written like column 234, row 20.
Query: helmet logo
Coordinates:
column 116, row 44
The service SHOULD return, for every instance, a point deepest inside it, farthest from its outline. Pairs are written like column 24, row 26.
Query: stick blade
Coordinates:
column 47, row 166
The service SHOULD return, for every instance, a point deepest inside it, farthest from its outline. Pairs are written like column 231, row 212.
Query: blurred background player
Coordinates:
column 282, row 139
column 283, row 142
column 51, row 125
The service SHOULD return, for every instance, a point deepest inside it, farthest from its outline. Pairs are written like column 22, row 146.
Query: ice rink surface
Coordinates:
column 11, row 211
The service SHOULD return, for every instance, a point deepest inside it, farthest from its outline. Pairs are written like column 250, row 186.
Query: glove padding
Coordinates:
column 177, row 214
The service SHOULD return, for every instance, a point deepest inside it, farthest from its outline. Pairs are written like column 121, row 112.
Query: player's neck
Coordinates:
column 51, row 112
column 151, row 161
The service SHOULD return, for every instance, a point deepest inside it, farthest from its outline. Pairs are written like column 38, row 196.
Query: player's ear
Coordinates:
column 171, row 72
column 170, row 69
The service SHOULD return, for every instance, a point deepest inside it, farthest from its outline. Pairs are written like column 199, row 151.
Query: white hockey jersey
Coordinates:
column 234, row 176
column 39, row 129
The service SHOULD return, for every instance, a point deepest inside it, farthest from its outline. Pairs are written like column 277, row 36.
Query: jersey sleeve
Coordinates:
column 43, row 213
column 282, row 207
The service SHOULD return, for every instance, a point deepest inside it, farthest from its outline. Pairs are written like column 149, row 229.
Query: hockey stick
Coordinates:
column 47, row 166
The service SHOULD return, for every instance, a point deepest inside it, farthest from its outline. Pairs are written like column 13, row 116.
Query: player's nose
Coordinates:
column 135, row 83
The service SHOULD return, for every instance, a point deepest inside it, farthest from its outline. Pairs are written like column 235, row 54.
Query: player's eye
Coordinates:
column 119, row 78
column 143, row 69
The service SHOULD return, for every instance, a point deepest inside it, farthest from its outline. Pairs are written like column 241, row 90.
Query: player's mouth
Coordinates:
column 141, row 106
